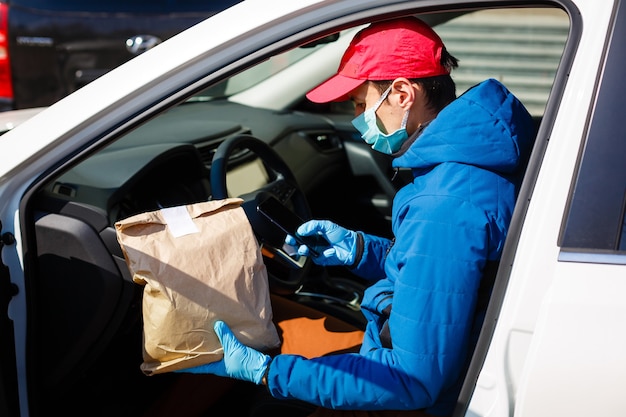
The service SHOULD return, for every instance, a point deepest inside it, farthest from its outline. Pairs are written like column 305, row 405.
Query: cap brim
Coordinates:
column 336, row 88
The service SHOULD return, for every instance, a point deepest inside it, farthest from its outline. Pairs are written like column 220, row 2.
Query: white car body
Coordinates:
column 558, row 343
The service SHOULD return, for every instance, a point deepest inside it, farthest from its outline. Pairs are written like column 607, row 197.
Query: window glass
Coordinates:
column 257, row 74
column 519, row 47
column 595, row 221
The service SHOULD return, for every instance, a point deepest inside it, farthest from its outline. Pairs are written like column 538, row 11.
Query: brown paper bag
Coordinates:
column 198, row 263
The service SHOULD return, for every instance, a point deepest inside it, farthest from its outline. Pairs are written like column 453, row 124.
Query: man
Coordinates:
column 449, row 227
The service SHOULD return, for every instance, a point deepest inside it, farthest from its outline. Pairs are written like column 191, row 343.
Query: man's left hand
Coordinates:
column 239, row 362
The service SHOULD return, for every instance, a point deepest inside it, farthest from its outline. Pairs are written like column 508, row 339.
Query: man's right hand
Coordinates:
column 343, row 243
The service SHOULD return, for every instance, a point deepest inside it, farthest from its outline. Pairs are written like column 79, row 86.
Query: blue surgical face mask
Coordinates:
column 367, row 124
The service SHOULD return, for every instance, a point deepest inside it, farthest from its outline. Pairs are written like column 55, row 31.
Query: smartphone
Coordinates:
column 288, row 222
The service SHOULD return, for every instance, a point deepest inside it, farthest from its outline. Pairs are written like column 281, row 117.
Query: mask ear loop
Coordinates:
column 382, row 98
column 405, row 120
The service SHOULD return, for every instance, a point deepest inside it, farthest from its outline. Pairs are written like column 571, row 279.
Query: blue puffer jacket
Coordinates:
column 448, row 223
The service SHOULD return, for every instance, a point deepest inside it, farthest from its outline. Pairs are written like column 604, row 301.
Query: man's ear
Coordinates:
column 404, row 92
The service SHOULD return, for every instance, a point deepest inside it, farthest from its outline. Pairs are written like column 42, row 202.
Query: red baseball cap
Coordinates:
column 405, row 47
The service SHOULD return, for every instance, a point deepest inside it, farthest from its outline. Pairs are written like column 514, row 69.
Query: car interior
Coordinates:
column 85, row 325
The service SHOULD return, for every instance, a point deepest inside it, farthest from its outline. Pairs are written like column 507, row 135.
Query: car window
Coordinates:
column 529, row 46
column 519, row 47
column 126, row 5
column 596, row 225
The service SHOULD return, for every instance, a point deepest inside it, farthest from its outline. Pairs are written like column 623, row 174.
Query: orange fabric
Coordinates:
column 308, row 332
column 312, row 338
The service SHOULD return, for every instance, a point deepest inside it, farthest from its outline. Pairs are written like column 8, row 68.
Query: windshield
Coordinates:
column 256, row 74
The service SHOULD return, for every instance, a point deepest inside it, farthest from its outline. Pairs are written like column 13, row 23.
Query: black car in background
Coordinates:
column 50, row 48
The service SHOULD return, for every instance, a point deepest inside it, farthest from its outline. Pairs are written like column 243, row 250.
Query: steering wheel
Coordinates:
column 285, row 274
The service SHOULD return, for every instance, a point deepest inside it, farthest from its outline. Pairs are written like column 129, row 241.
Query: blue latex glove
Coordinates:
column 239, row 362
column 343, row 243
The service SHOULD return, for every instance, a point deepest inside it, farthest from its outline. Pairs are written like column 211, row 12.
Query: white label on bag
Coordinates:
column 178, row 220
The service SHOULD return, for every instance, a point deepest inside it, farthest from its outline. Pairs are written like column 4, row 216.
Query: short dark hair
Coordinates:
column 440, row 90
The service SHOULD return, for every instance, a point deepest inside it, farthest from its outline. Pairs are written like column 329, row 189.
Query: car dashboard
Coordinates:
column 167, row 161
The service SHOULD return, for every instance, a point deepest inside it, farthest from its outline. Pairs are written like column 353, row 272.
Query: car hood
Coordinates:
column 13, row 118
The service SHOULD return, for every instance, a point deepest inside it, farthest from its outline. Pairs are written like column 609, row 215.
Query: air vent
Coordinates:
column 324, row 141
column 207, row 152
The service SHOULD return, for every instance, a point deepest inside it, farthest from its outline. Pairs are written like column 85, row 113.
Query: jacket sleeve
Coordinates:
column 372, row 256
column 435, row 267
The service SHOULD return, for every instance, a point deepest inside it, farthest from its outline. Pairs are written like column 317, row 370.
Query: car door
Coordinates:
column 558, row 343
column 8, row 380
